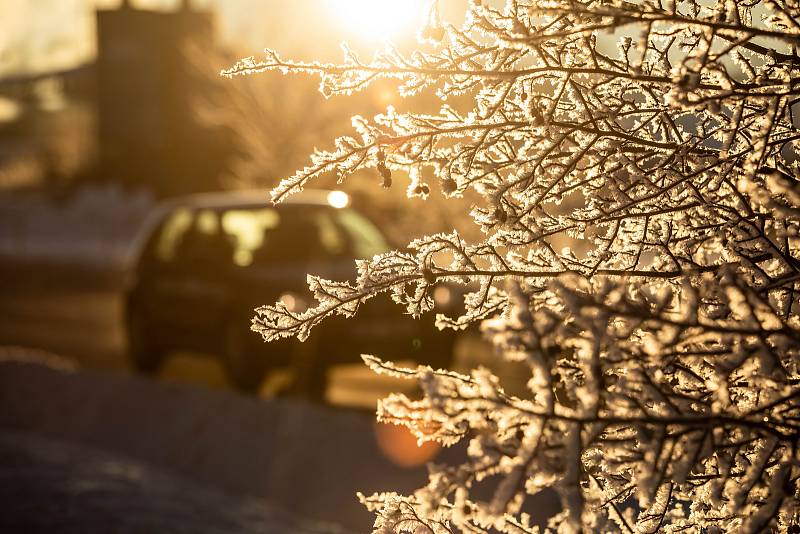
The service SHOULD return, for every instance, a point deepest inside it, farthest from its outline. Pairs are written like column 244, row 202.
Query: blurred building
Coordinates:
column 130, row 117
column 148, row 83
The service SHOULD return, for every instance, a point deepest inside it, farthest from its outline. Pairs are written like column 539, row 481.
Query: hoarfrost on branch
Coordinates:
column 663, row 391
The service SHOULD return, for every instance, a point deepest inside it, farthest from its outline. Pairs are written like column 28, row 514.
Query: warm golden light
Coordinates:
column 400, row 446
column 379, row 20
column 338, row 199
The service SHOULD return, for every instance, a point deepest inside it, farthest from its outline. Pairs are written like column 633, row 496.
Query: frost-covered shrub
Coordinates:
column 663, row 356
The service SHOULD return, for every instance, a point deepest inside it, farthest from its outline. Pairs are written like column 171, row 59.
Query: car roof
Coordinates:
column 247, row 198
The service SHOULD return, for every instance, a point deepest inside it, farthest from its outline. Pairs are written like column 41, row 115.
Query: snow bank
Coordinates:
column 94, row 227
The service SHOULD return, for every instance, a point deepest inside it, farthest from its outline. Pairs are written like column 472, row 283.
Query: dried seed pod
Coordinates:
column 386, row 174
column 449, row 186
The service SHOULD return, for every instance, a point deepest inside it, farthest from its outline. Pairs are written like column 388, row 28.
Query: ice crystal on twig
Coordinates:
column 663, row 354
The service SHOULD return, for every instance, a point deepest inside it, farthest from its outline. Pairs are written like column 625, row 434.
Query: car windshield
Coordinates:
column 257, row 236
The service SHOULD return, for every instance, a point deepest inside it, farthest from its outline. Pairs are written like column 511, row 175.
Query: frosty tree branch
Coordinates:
column 663, row 356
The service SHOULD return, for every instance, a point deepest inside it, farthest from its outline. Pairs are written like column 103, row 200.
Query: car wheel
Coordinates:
column 245, row 370
column 143, row 354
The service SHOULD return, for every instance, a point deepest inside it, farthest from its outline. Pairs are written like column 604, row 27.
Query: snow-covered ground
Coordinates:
column 94, row 227
column 307, row 459
column 55, row 486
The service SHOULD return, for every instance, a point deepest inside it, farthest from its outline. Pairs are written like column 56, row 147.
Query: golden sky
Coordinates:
column 45, row 35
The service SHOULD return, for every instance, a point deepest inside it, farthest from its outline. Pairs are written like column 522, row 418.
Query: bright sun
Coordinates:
column 378, row 20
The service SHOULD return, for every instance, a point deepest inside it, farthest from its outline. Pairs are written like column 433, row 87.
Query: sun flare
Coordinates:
column 378, row 20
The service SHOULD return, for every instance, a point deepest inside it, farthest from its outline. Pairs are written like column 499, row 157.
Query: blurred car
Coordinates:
column 204, row 262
